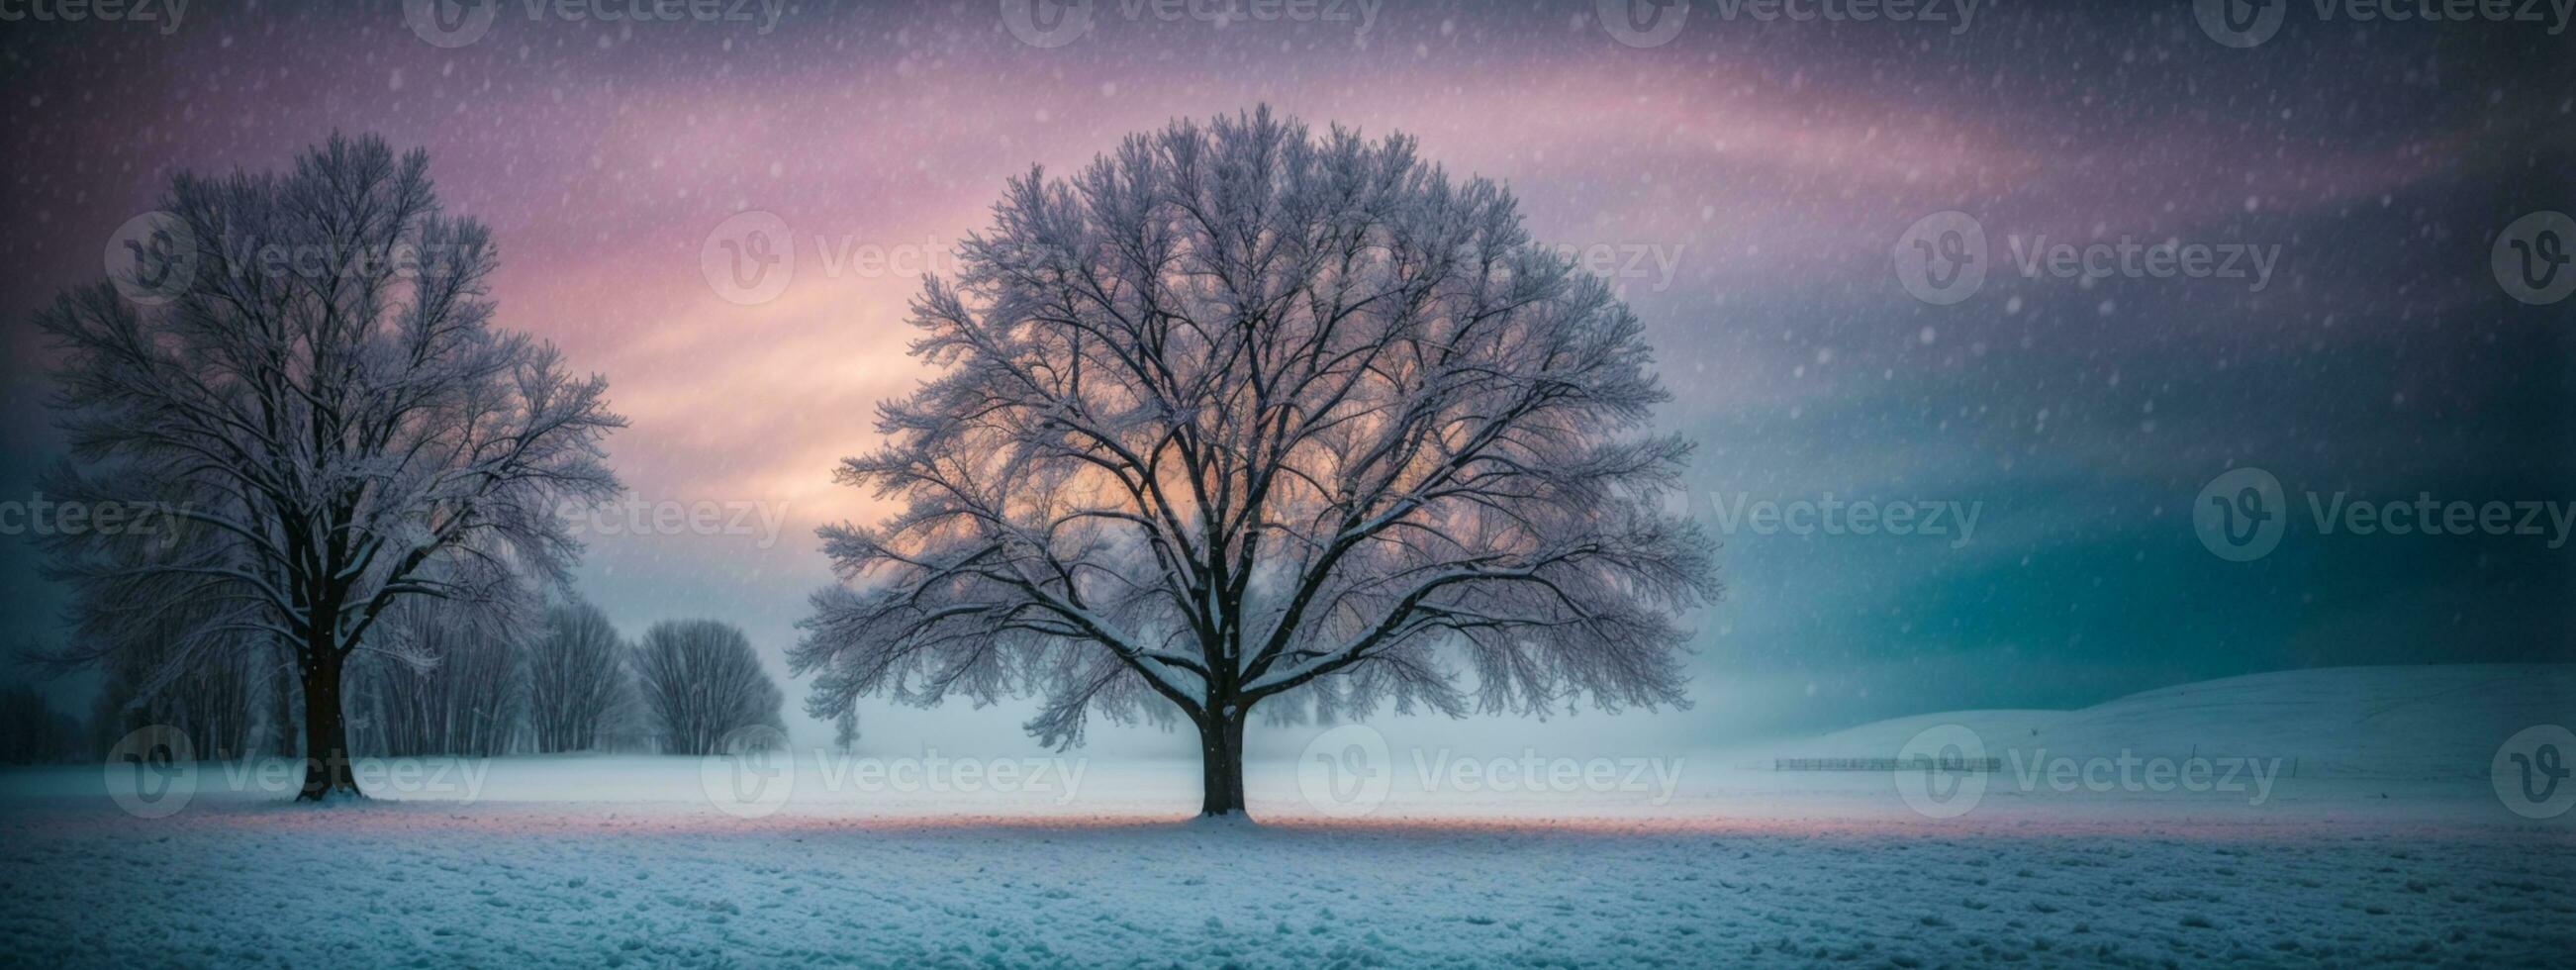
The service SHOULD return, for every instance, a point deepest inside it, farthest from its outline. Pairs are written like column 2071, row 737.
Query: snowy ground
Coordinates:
column 2324, row 875
column 666, row 861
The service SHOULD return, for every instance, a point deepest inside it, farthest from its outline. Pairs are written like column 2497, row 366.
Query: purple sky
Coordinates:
column 1745, row 180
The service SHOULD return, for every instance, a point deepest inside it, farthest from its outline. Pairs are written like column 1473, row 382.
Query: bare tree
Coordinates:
column 577, row 678
column 316, row 388
column 32, row 732
column 1243, row 412
column 845, row 730
column 451, row 682
column 212, row 698
column 699, row 680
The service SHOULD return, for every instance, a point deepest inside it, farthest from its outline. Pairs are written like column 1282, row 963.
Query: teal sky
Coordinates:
column 1751, row 185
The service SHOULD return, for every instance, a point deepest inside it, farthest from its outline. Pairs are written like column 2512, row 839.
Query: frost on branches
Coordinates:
column 311, row 380
column 1243, row 412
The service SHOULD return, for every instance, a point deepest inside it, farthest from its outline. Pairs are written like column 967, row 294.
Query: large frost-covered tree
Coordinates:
column 316, row 388
column 1246, row 411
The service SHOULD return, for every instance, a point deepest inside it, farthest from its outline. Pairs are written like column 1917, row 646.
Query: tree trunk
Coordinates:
column 1221, row 764
column 281, row 712
column 326, row 732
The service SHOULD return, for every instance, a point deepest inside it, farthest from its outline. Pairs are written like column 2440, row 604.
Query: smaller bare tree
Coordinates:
column 150, row 680
column 304, row 368
column 32, row 732
column 699, row 680
column 577, row 678
column 845, row 730
column 448, row 682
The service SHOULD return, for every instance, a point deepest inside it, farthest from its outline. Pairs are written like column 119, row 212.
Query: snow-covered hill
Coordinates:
column 2381, row 722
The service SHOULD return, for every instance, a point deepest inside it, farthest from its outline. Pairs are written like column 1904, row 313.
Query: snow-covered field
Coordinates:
column 545, row 885
column 2401, row 856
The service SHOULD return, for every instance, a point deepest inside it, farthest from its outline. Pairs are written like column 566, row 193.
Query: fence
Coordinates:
column 1888, row 764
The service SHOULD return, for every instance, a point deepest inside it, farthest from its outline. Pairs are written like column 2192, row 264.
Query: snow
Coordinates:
column 544, row 884
column 594, row 860
column 2390, row 722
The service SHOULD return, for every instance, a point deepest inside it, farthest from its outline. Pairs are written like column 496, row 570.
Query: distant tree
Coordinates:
column 211, row 696
column 1244, row 412
column 32, row 732
column 845, row 730
column 578, row 681
column 699, row 680
column 312, row 379
column 282, row 733
column 448, row 681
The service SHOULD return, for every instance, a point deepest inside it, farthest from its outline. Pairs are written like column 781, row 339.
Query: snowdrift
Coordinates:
column 2353, row 722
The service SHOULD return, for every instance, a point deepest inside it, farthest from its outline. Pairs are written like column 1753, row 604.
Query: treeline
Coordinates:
column 32, row 732
column 443, row 680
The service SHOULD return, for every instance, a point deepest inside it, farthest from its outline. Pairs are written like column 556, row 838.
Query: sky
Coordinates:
column 1755, row 187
